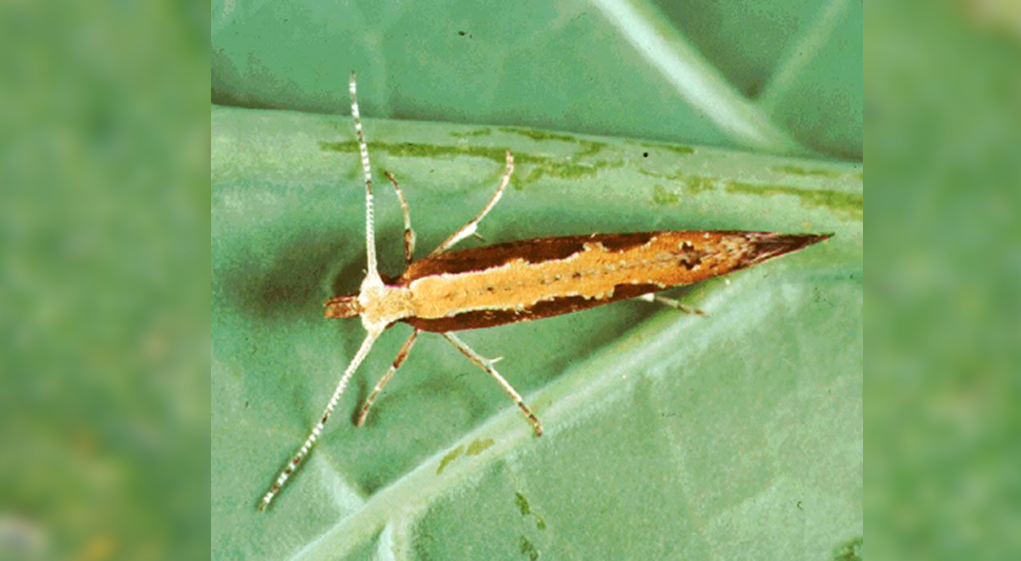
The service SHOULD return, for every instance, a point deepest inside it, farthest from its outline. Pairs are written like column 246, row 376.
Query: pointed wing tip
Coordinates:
column 768, row 245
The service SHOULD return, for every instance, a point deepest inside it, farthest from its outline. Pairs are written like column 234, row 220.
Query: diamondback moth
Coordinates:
column 526, row 280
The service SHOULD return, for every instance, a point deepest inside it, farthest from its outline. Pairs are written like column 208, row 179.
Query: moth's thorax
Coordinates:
column 382, row 304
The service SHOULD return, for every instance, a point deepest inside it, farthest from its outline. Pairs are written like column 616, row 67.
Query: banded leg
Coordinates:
column 363, row 150
column 398, row 361
column 306, row 447
column 673, row 303
column 487, row 365
column 473, row 224
column 409, row 234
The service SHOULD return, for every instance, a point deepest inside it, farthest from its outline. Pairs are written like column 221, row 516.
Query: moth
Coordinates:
column 526, row 280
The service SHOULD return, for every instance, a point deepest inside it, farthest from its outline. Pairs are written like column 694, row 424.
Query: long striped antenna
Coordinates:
column 371, row 277
column 370, row 235
column 306, row 447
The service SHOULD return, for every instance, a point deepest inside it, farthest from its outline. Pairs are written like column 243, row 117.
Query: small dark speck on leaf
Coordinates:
column 799, row 506
column 461, row 33
column 645, row 154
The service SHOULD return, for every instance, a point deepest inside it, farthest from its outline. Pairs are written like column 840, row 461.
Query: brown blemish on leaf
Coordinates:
column 533, row 166
column 661, row 196
column 690, row 184
column 528, row 549
column 796, row 170
column 526, row 510
column 850, row 205
column 851, row 550
column 477, row 446
column 472, row 133
column 676, row 149
column 589, row 147
column 451, row 456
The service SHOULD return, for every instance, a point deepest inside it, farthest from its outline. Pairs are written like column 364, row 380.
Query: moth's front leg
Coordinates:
column 409, row 234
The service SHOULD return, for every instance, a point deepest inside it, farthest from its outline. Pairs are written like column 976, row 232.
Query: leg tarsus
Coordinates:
column 673, row 303
column 470, row 227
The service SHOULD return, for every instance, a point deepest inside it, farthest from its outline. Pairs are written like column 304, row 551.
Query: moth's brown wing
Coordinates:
column 476, row 319
column 534, row 279
column 532, row 251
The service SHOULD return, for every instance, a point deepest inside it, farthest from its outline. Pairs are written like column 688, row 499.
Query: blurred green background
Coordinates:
column 943, row 123
column 103, row 292
column 103, row 265
column 667, row 436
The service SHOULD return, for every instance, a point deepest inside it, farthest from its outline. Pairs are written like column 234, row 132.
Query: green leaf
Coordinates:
column 783, row 76
column 667, row 435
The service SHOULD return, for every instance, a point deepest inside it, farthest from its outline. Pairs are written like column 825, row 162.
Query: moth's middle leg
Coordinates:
column 487, row 365
column 402, row 355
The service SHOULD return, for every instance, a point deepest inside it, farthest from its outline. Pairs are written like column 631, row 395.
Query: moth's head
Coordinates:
column 342, row 307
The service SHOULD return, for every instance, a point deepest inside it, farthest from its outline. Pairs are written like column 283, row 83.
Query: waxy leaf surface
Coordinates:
column 668, row 436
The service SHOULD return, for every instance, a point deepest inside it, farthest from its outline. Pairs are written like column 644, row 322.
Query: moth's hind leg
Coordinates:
column 409, row 234
column 473, row 224
column 402, row 355
column 487, row 365
column 671, row 302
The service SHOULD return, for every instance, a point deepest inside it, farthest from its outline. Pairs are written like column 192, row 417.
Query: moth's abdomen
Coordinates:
column 534, row 279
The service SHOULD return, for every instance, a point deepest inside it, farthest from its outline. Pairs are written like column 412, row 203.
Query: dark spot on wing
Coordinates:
column 690, row 257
